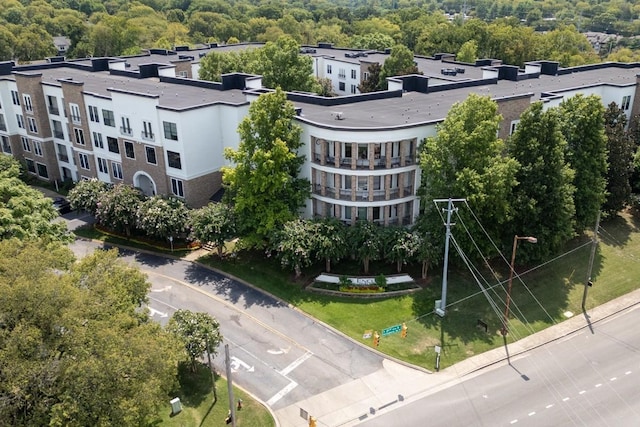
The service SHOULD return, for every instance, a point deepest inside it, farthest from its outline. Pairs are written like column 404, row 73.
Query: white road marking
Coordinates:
column 153, row 312
column 598, row 385
column 237, row 363
column 613, row 378
column 627, row 373
column 295, row 363
column 565, row 399
column 582, row 392
column 166, row 288
column 281, row 351
column 514, row 421
column 532, row 413
column 549, row 406
column 279, row 395
column 164, row 303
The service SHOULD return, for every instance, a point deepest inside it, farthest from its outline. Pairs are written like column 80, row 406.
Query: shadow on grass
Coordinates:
column 194, row 386
column 616, row 230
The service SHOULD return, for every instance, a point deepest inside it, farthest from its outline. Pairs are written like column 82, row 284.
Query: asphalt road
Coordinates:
column 584, row 379
column 277, row 353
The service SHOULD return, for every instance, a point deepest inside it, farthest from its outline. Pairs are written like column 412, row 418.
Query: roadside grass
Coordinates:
column 198, row 409
column 541, row 296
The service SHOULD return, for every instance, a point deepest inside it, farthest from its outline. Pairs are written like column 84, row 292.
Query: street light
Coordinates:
column 513, row 259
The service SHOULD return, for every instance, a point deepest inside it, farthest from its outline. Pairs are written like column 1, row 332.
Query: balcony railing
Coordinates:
column 54, row 110
column 126, row 131
column 76, row 119
column 148, row 136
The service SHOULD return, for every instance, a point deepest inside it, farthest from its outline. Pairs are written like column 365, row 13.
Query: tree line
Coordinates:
column 514, row 32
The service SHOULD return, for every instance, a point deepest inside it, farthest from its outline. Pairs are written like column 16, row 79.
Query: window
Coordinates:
column 79, row 134
column 174, row 160
column 128, row 150
column 626, row 101
column 177, row 188
column 117, row 170
column 147, row 133
column 62, row 153
column 514, row 125
column 42, row 170
column 170, row 130
column 15, row 97
column 353, row 74
column 151, row 155
column 33, row 127
column 93, row 114
column 28, row 106
column 112, row 144
column 37, row 148
column 353, row 88
column 20, row 120
column 84, row 161
column 25, row 144
column 52, row 105
column 57, row 129
column 6, row 146
column 365, row 75
column 328, row 68
column 31, row 166
column 3, row 124
column 126, row 127
column 341, row 86
column 341, row 73
column 109, row 120
column 97, row 140
column 75, row 113
column 102, row 165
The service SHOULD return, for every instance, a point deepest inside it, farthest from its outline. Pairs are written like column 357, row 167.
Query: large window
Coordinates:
column 20, row 121
column 173, row 159
column 117, row 170
column 329, row 69
column 112, row 144
column 177, row 187
column 52, row 105
column 126, row 126
column 33, row 127
column 341, row 86
column 42, row 170
column 25, row 144
column 75, row 113
column 93, row 114
column 102, row 165
column 28, row 105
column 147, row 133
column 353, row 74
column 3, row 124
column 62, row 153
column 37, row 148
column 129, row 150
column 626, row 102
column 97, row 140
column 151, row 155
column 84, row 161
column 31, row 166
column 6, row 146
column 109, row 120
column 57, row 129
column 79, row 134
column 170, row 130
column 15, row 97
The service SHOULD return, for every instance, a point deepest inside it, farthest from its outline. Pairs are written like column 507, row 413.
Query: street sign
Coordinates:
column 391, row 330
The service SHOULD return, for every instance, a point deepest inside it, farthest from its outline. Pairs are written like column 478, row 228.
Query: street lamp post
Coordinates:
column 529, row 239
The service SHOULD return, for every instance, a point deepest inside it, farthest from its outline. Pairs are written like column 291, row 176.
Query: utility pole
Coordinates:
column 213, row 373
column 232, row 407
column 594, row 245
column 440, row 311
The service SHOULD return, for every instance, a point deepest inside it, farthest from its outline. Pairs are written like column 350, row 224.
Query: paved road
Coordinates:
column 278, row 354
column 584, row 379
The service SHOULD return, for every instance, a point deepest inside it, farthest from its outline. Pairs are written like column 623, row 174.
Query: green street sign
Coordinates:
column 391, row 330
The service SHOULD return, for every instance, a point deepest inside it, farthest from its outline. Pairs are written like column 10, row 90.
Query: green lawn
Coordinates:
column 556, row 285
column 199, row 409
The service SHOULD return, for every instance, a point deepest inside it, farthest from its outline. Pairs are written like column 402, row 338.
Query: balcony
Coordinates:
column 53, row 110
column 126, row 131
column 63, row 157
column 147, row 136
column 58, row 134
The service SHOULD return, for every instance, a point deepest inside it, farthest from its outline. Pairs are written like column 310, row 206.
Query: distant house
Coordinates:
column 62, row 44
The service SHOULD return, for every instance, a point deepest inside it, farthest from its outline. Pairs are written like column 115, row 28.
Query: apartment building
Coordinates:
column 166, row 134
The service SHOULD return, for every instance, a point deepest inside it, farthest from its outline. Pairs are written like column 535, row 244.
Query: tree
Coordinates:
column 401, row 245
column 468, row 52
column 199, row 332
column 582, row 124
column 118, row 207
column 281, row 65
column 75, row 348
column 331, row 242
column 215, row 64
column 324, row 87
column 32, row 43
column 294, row 244
column 466, row 160
column 372, row 82
column 399, row 63
column 215, row 222
column 24, row 212
column 620, row 152
column 162, row 217
column 543, row 197
column 376, row 41
column 86, row 193
column 264, row 183
column 365, row 241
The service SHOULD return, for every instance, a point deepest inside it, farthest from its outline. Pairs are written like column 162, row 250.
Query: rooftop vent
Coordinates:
column 338, row 115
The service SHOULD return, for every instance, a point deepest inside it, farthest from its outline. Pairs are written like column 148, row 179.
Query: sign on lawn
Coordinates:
column 391, row 330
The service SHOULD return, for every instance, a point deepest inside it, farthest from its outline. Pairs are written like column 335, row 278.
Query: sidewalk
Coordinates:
column 396, row 385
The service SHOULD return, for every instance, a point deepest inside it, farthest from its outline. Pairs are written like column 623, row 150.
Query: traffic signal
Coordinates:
column 403, row 332
column 376, row 339
column 312, row 422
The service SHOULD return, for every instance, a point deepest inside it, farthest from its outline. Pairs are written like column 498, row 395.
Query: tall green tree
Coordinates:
column 620, row 152
column 294, row 244
column 582, row 124
column 399, row 63
column 86, row 193
column 331, row 241
column 543, row 197
column 466, row 160
column 215, row 222
column 75, row 349
column 162, row 217
column 199, row 332
column 264, row 181
column 118, row 208
column 281, row 65
column 365, row 242
column 372, row 82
